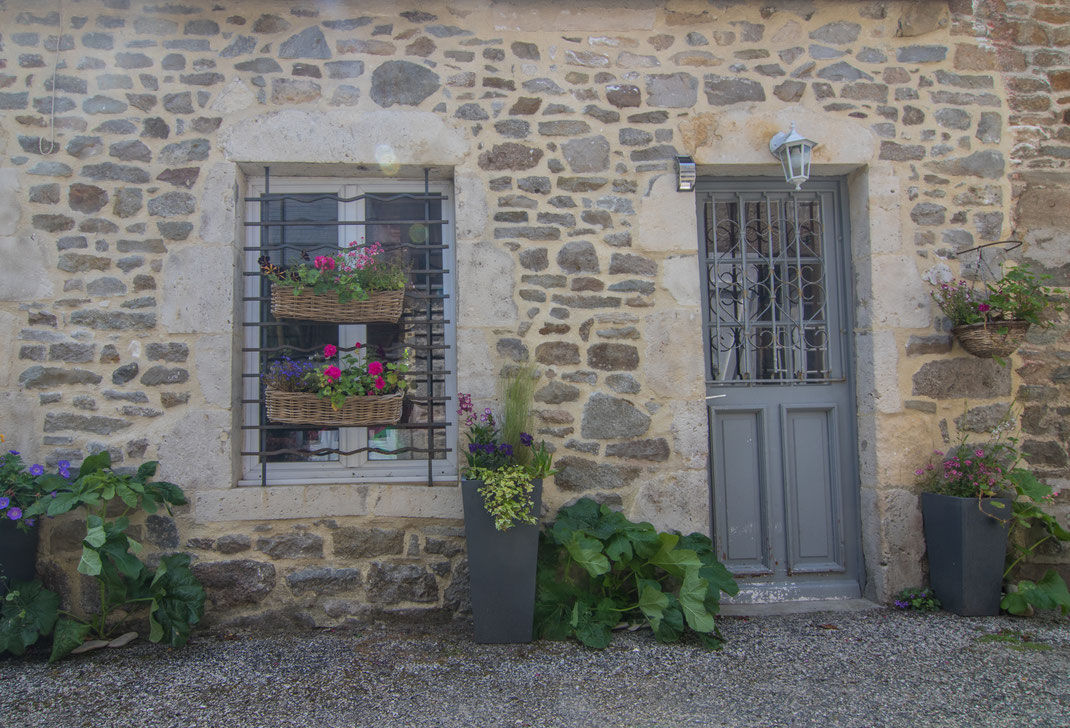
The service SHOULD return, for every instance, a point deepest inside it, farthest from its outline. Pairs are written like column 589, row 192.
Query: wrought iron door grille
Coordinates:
column 287, row 224
column 766, row 281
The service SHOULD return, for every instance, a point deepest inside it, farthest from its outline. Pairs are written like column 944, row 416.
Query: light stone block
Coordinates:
column 198, row 290
column 471, row 205
column 24, row 270
column 476, row 373
column 280, row 502
column 672, row 362
column 680, row 276
column 236, row 96
column 486, row 275
column 900, row 297
column 18, row 420
column 667, row 220
column 10, row 210
column 676, row 501
column 195, row 452
column 218, row 204
column 530, row 18
column 877, row 372
column 213, row 360
column 690, row 432
column 340, row 136
column 885, row 202
column 416, row 501
column 9, row 329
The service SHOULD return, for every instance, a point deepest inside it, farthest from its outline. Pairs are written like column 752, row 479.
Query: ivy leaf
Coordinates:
column 68, row 635
column 89, row 564
column 29, row 612
column 619, row 548
column 93, row 464
column 587, row 552
column 693, row 602
column 673, row 560
column 672, row 623
column 652, row 601
column 95, row 535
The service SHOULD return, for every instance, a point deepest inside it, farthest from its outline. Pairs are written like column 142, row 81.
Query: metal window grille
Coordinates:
column 291, row 223
column 765, row 259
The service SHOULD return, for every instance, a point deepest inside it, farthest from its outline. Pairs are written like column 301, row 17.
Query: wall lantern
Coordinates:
column 685, row 174
column 794, row 151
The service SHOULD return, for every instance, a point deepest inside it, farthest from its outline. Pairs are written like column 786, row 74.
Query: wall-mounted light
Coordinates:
column 685, row 174
column 794, row 151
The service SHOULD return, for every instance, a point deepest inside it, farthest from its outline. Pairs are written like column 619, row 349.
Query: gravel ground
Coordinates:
column 871, row 668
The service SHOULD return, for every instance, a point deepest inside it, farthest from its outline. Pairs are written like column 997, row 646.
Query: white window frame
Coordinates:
column 355, row 468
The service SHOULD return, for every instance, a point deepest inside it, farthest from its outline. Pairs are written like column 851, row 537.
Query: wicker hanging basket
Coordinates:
column 305, row 408
column 380, row 306
column 991, row 339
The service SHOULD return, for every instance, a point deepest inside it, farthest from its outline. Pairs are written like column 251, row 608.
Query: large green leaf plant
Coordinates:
column 598, row 570
column 170, row 592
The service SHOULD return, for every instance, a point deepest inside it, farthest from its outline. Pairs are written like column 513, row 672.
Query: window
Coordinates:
column 286, row 218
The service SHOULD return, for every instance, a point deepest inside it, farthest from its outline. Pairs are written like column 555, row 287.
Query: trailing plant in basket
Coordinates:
column 338, row 376
column 598, row 570
column 171, row 593
column 1018, row 296
column 994, row 468
column 352, row 273
column 503, row 455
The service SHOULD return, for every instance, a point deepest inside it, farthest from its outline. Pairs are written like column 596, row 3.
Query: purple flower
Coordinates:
column 901, row 604
column 5, row 502
column 63, row 464
column 36, row 470
column 473, row 447
column 13, row 452
column 525, row 439
column 489, row 448
column 65, row 473
column 31, row 521
column 15, row 513
column 505, row 449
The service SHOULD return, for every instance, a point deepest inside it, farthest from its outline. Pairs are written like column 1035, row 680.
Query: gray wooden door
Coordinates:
column 783, row 465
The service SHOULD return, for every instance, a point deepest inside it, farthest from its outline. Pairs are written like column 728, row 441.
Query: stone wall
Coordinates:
column 1032, row 47
column 557, row 126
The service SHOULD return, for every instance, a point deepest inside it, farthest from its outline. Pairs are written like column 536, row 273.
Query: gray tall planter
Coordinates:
column 18, row 554
column 501, row 570
column 967, row 550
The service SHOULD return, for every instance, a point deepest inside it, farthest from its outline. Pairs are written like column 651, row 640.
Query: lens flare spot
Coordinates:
column 387, row 159
column 418, row 233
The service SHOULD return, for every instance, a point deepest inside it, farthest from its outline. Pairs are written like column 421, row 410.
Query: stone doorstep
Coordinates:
column 805, row 606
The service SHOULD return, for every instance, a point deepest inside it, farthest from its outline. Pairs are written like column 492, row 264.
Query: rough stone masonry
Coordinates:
column 120, row 216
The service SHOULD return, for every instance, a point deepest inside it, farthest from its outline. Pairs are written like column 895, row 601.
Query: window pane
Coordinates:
column 297, row 340
column 417, row 242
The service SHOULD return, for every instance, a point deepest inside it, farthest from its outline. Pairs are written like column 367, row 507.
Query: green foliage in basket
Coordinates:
column 352, row 273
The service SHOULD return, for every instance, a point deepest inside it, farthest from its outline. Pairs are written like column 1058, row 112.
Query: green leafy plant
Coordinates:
column 339, row 376
column 174, row 598
column 20, row 487
column 1028, row 516
column 28, row 612
column 1019, row 295
column 598, row 570
column 352, row 273
column 917, row 600
column 505, row 457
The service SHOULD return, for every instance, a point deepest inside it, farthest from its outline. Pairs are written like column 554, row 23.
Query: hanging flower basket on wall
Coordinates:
column 305, row 408
column 380, row 306
column 992, row 338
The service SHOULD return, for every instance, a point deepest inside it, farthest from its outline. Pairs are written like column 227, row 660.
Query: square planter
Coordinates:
column 18, row 554
column 501, row 570
column 967, row 547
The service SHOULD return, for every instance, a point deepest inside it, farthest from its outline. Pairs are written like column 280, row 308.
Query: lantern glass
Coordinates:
column 794, row 152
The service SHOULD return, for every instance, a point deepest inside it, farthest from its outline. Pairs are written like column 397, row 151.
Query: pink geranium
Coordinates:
column 379, row 383
column 332, row 373
column 375, row 368
column 330, row 350
column 322, row 262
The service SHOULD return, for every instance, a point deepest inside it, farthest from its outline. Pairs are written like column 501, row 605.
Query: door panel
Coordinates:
column 784, row 488
column 742, row 517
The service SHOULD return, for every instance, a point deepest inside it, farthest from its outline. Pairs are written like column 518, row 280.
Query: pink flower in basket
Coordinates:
column 332, row 373
column 375, row 368
column 379, row 383
column 322, row 262
column 330, row 350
